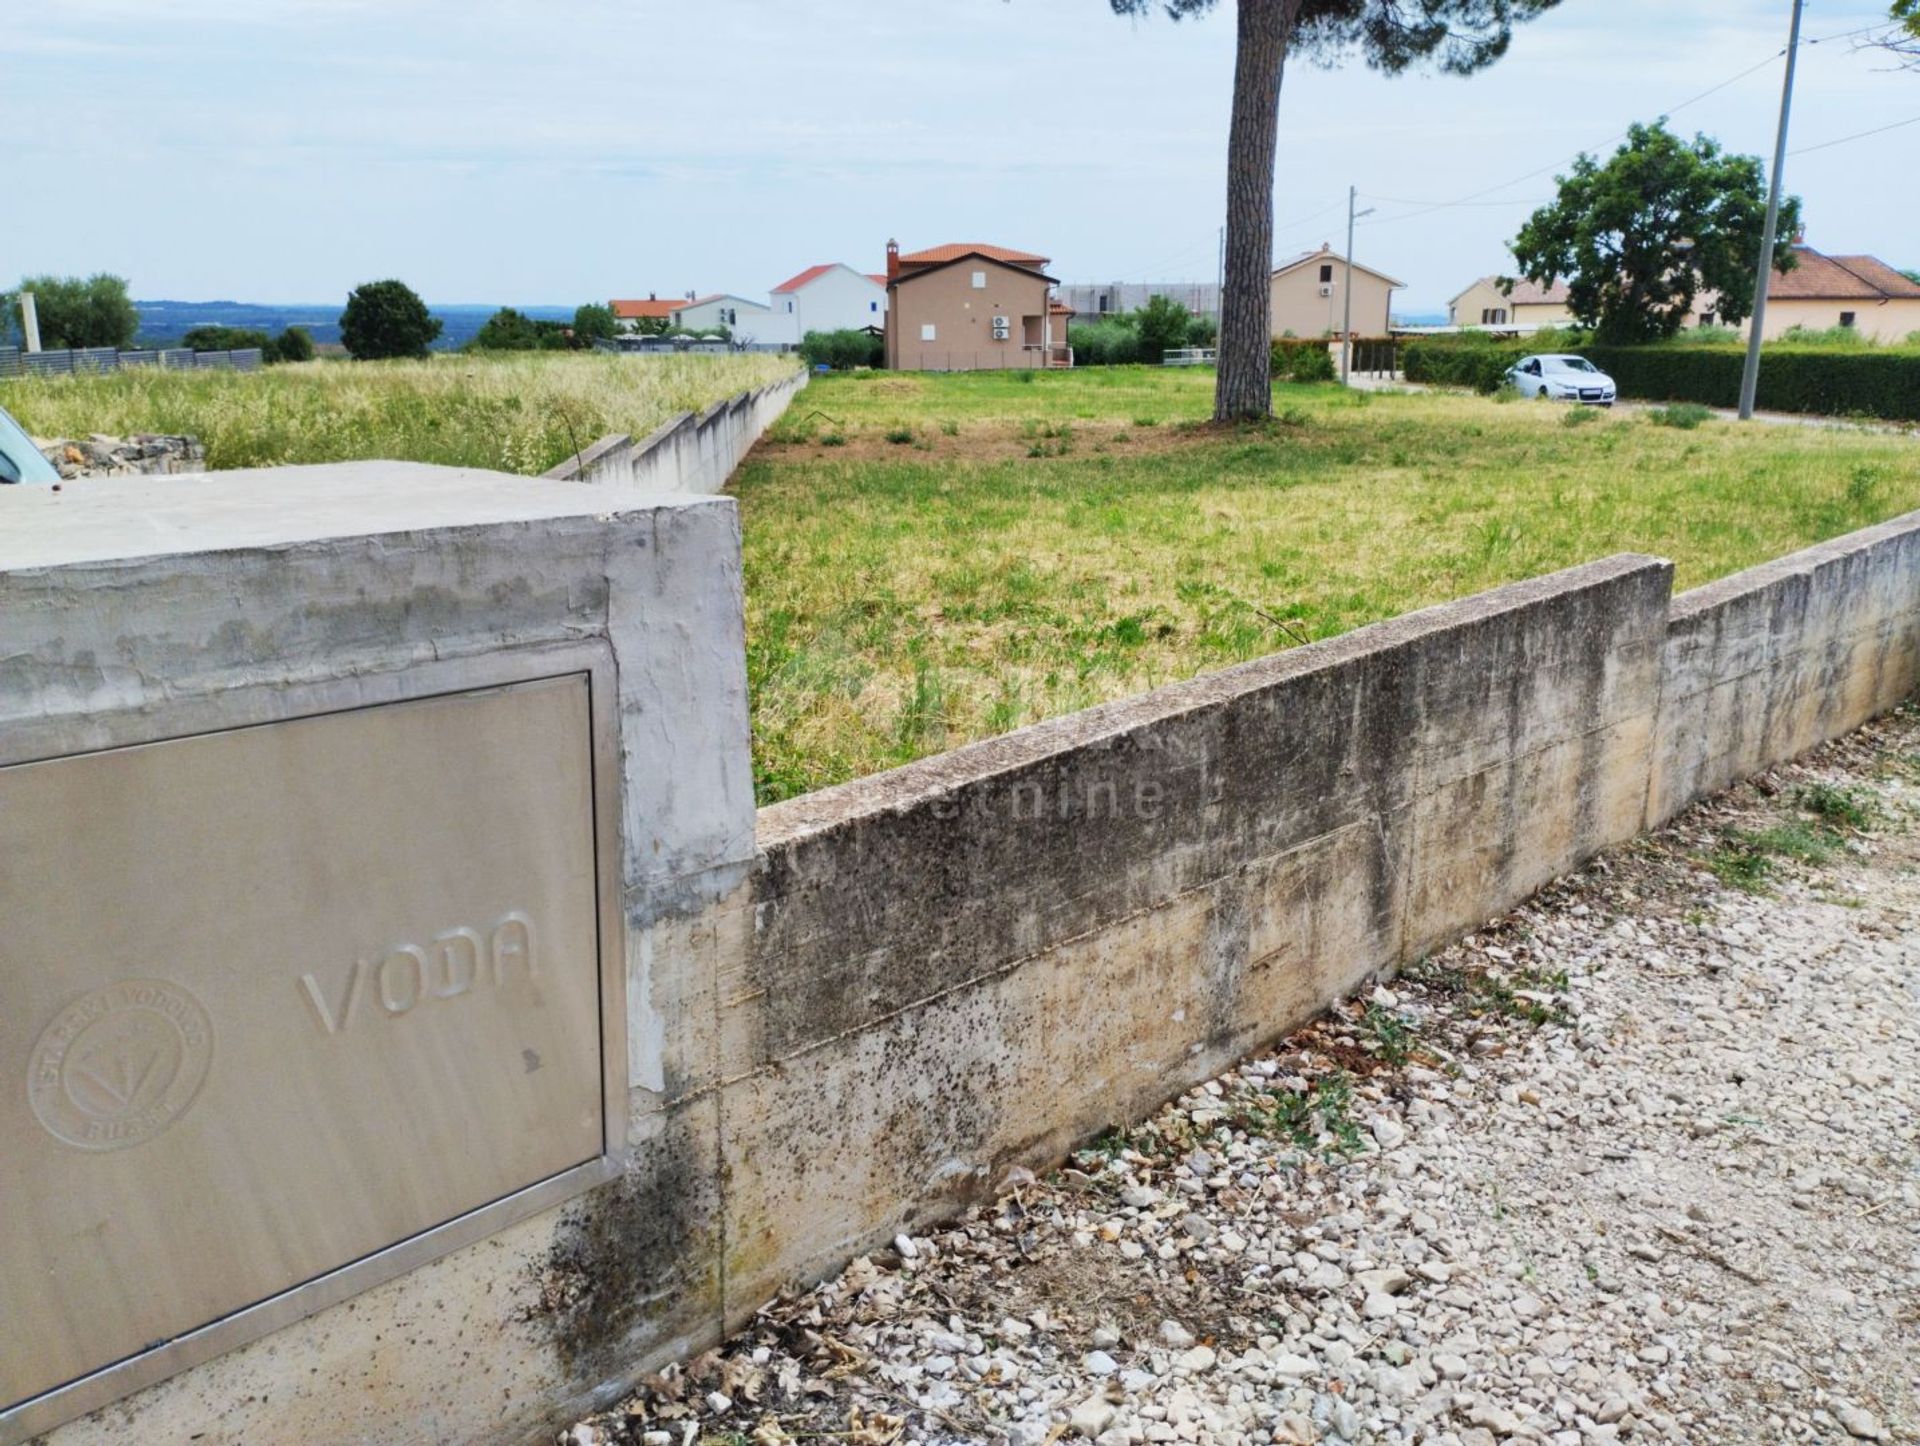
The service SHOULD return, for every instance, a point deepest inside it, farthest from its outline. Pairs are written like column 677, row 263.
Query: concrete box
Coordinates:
column 339, row 808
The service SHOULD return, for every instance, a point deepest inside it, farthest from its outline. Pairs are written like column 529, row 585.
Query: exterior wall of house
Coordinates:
column 1299, row 308
column 749, row 319
column 837, row 300
column 1481, row 304
column 1893, row 320
column 961, row 318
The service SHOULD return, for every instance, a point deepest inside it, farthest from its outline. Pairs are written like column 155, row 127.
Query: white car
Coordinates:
column 1562, row 379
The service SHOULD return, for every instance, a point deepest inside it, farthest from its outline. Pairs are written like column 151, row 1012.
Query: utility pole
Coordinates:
column 1220, row 287
column 29, row 321
column 1750, row 375
column 1346, row 325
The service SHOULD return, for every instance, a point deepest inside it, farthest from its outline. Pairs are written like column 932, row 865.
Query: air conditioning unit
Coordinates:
column 1001, row 333
column 1001, row 322
column 1327, row 290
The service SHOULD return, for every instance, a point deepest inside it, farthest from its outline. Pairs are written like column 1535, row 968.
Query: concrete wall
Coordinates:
column 908, row 983
column 693, row 452
column 1885, row 321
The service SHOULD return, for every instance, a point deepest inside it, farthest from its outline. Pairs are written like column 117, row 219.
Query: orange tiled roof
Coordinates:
column 1818, row 277
column 812, row 273
column 954, row 250
column 635, row 310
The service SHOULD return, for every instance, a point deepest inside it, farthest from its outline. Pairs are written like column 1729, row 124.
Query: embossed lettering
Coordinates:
column 408, row 975
column 412, row 970
column 513, row 944
column 458, row 951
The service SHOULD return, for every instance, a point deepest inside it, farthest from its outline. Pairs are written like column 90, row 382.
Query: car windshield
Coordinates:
column 1572, row 364
column 20, row 460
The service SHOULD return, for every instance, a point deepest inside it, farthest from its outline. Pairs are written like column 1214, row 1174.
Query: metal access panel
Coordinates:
column 289, row 1008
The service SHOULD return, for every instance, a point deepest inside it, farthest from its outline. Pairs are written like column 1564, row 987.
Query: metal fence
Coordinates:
column 79, row 360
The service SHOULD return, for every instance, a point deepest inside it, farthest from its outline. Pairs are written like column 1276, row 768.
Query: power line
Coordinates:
column 1428, row 208
column 1857, row 136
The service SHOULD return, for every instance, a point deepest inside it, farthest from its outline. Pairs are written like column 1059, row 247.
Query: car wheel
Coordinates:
column 1541, row 395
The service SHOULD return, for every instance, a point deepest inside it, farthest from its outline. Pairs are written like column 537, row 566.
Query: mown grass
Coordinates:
column 511, row 413
column 1047, row 542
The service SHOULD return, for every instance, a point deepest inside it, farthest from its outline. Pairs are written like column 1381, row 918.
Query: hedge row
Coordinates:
column 1303, row 359
column 1818, row 380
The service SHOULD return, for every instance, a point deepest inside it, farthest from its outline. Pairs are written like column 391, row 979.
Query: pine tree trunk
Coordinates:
column 1244, row 387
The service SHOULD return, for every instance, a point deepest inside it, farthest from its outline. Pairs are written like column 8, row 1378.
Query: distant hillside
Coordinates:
column 170, row 320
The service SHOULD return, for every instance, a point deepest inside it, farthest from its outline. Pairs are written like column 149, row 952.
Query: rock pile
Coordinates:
column 145, row 453
column 1636, row 1163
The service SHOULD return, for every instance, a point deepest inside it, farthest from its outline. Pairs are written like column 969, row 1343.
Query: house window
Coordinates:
column 1493, row 316
column 1326, row 273
column 873, row 306
column 1846, row 318
column 979, row 281
column 1708, row 318
column 789, row 304
column 926, row 331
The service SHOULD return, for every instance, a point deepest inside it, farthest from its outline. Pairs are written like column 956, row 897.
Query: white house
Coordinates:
column 745, row 319
column 831, row 297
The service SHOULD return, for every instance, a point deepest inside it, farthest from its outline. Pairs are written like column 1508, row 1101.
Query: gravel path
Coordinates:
column 1639, row 1162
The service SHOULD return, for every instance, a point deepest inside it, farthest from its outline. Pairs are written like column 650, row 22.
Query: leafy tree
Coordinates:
column 1639, row 237
column 225, row 338
column 73, row 312
column 294, row 344
column 1460, row 36
column 1162, row 325
column 386, row 319
column 593, row 322
column 652, row 325
column 506, row 330
column 1904, row 39
column 1911, row 275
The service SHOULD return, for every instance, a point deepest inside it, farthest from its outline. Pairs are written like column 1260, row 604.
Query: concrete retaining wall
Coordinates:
column 924, row 977
column 693, row 452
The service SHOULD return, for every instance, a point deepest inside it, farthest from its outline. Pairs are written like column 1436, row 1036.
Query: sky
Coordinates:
column 523, row 151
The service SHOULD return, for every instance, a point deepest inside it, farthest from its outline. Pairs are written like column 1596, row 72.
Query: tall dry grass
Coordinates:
column 522, row 413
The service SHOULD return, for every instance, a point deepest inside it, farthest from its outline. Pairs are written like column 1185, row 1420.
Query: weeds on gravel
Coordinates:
column 1392, row 1033
column 1838, row 807
column 1524, row 999
column 1745, row 859
column 1318, row 1120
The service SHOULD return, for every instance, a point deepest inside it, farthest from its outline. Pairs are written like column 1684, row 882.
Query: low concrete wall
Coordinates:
column 693, row 452
column 926, row 976
column 1767, row 663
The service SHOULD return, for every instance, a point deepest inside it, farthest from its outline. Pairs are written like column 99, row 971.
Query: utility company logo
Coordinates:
column 119, row 1065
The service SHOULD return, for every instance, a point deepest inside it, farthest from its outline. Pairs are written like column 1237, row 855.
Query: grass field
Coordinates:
column 934, row 559
column 515, row 413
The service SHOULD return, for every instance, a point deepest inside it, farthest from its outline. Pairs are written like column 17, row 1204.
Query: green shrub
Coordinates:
column 225, row 338
column 1303, row 359
column 1109, row 342
column 294, row 344
column 1684, row 415
column 844, row 350
column 1579, row 416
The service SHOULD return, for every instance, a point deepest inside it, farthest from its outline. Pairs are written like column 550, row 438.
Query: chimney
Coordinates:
column 893, row 260
column 653, row 296
column 1800, row 234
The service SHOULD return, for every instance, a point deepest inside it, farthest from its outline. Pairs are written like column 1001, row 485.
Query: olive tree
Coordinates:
column 1458, row 36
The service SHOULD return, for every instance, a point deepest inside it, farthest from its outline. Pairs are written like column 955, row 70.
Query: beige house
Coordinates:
column 1861, row 292
column 968, row 306
column 1488, row 302
column 1309, row 296
column 1818, row 293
